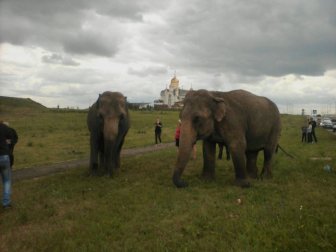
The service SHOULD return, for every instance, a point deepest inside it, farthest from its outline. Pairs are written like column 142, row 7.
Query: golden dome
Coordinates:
column 174, row 83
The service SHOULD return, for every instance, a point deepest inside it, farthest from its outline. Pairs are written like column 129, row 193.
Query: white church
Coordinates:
column 172, row 96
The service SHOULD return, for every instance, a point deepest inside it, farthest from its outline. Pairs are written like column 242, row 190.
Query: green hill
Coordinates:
column 13, row 104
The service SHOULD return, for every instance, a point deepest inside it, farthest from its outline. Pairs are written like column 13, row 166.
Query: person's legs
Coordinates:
column 5, row 171
column 309, row 138
column 314, row 136
column 159, row 136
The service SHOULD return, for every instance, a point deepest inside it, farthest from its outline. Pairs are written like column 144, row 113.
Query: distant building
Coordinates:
column 172, row 96
column 139, row 105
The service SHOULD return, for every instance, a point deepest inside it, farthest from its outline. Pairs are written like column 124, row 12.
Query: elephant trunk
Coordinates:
column 187, row 140
column 110, row 147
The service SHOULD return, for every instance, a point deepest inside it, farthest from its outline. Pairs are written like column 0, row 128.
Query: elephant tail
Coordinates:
column 287, row 154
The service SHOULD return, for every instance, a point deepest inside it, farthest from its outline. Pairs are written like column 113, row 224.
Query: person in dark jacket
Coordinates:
column 158, row 127
column 11, row 143
column 6, row 138
column 313, row 123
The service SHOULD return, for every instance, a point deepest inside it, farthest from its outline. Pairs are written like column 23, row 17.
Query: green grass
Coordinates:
column 141, row 210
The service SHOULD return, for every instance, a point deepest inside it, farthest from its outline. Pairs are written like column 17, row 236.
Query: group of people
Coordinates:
column 308, row 132
column 8, row 139
column 158, row 130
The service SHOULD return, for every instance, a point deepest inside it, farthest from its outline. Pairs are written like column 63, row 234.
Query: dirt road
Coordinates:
column 34, row 172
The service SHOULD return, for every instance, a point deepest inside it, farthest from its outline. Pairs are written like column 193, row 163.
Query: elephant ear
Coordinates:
column 220, row 109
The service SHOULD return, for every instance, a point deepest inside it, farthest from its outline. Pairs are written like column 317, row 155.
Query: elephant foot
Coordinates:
column 116, row 172
column 178, row 182
column 253, row 174
column 111, row 173
column 94, row 174
column 243, row 183
column 94, row 170
column 266, row 174
column 208, row 176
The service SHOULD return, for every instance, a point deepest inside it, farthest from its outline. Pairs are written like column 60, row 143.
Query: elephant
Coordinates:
column 245, row 123
column 108, row 122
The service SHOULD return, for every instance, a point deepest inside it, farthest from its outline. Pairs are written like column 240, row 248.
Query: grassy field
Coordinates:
column 140, row 209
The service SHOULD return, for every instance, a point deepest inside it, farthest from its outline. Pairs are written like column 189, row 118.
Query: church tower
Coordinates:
column 174, row 83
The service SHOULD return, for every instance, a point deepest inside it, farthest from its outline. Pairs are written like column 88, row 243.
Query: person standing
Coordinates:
column 313, row 123
column 304, row 134
column 158, row 128
column 11, row 143
column 309, row 132
column 5, row 168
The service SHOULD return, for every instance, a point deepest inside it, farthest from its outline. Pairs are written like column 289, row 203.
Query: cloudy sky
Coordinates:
column 67, row 52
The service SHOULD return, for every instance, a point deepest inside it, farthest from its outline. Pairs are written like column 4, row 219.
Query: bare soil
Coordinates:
column 39, row 171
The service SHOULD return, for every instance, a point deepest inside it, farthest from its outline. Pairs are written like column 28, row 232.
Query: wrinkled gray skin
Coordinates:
column 243, row 122
column 108, row 123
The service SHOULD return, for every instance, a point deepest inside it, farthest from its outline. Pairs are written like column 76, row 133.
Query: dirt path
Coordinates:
column 34, row 172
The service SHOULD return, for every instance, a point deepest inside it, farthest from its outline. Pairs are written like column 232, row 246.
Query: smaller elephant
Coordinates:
column 108, row 123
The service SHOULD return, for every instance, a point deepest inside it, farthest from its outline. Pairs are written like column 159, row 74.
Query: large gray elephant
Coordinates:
column 242, row 121
column 108, row 123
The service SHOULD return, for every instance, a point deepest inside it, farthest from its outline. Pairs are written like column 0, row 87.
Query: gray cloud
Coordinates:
column 146, row 71
column 89, row 43
column 61, row 24
column 59, row 59
column 255, row 37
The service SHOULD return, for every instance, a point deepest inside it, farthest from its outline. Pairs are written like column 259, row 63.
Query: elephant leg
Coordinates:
column 228, row 157
column 119, row 153
column 209, row 160
column 101, row 162
column 239, row 162
column 116, row 161
column 251, row 164
column 220, row 153
column 93, row 156
column 266, row 171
